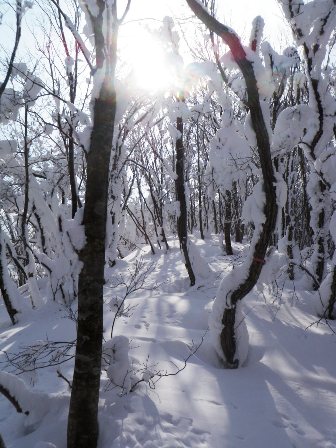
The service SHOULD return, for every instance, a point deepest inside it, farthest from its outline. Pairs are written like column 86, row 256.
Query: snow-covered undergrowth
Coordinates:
column 284, row 396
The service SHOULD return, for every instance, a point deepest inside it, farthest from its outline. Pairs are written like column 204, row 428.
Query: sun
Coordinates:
column 151, row 72
column 152, row 69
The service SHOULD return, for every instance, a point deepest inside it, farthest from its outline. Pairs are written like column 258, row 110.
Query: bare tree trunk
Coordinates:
column 215, row 216
column 182, row 224
column 72, row 175
column 28, row 256
column 206, row 211
column 2, row 443
column 290, row 242
column 320, row 237
column 199, row 179
column 83, row 413
column 306, row 237
column 69, row 140
column 228, row 222
column 24, row 217
column 239, row 226
column 330, row 311
column 82, row 424
column 141, row 228
column 19, row 14
column 5, row 293
column 192, row 219
column 287, row 226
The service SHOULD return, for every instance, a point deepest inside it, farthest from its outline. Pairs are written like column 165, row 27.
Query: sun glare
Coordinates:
column 150, row 66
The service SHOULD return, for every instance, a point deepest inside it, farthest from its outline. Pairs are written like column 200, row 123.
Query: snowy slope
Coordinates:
column 285, row 395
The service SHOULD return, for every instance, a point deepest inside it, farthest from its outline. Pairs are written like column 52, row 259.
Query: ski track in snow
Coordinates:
column 284, row 397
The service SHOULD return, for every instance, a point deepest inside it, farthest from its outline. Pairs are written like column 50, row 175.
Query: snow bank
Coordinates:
column 199, row 264
column 34, row 404
column 116, row 362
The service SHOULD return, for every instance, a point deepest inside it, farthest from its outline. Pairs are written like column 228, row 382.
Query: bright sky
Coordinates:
column 145, row 52
column 236, row 13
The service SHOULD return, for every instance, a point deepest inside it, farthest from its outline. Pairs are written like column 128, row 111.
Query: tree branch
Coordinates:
column 16, row 44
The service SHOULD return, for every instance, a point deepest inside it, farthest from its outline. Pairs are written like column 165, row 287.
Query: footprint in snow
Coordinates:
column 297, row 429
column 280, row 424
column 162, row 430
column 286, row 423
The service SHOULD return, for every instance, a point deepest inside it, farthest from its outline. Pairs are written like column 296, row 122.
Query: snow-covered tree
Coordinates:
column 103, row 22
column 227, row 326
column 313, row 25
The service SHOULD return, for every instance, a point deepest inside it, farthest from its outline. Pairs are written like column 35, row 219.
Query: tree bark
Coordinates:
column 83, row 413
column 214, row 210
column 320, row 240
column 182, row 224
column 330, row 311
column 239, row 226
column 24, row 217
column 2, row 443
column 72, row 175
column 307, row 232
column 5, row 294
column 228, row 222
column 18, row 14
column 83, row 424
column 199, row 180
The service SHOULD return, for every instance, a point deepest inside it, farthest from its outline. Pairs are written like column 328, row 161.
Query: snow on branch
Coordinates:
column 257, row 33
column 75, row 34
column 34, row 404
column 15, row 390
column 225, row 32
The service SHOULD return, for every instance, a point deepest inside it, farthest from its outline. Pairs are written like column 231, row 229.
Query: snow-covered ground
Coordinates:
column 284, row 396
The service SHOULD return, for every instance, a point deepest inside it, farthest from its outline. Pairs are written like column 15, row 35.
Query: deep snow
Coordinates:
column 284, row 396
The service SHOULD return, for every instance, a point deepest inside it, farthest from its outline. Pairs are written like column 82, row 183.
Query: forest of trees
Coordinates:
column 243, row 146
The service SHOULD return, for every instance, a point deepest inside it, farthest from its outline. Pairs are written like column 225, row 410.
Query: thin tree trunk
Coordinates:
column 142, row 229
column 290, row 252
column 238, row 226
column 287, row 220
column 320, row 237
column 199, row 179
column 2, row 443
column 182, row 224
column 206, row 212
column 330, row 311
column 72, row 175
column 192, row 219
column 215, row 216
column 19, row 15
column 24, row 217
column 83, row 413
column 86, row 379
column 227, row 223
column 5, row 294
column 306, row 238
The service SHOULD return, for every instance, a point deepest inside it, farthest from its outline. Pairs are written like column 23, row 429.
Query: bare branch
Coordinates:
column 16, row 44
column 77, row 37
